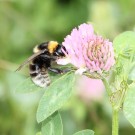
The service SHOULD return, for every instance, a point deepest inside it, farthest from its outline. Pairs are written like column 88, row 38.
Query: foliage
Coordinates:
column 52, row 125
column 55, row 96
column 129, row 108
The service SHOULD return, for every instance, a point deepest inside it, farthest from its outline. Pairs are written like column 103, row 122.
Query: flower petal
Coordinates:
column 63, row 61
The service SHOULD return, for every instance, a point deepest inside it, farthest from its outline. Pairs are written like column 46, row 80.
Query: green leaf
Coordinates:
column 132, row 73
column 85, row 132
column 55, row 96
column 27, row 86
column 124, row 43
column 129, row 105
column 52, row 125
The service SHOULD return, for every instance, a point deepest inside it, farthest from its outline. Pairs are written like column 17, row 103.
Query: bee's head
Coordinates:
column 58, row 52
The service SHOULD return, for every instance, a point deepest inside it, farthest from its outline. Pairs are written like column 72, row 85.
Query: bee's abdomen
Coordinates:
column 39, row 75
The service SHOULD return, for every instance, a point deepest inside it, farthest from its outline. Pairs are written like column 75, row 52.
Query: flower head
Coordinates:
column 89, row 51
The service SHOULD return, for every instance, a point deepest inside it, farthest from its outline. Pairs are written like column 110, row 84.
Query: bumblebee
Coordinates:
column 40, row 62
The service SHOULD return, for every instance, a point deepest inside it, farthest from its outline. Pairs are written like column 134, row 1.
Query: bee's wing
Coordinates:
column 29, row 59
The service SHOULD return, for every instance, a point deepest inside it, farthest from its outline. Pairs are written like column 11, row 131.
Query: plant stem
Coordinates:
column 109, row 92
column 115, row 114
column 115, row 123
column 121, row 99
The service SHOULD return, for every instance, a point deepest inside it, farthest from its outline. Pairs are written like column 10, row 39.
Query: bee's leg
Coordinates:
column 58, row 71
column 66, row 70
column 55, row 70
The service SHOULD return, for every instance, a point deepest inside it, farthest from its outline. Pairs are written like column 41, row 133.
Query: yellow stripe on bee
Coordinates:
column 52, row 46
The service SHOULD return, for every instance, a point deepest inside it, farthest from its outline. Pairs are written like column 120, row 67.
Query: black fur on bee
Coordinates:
column 40, row 62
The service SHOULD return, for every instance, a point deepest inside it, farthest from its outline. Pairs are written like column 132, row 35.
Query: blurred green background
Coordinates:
column 25, row 23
